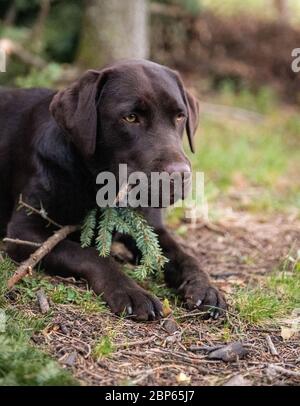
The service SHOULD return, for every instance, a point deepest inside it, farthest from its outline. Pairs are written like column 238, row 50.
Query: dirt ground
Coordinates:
column 239, row 250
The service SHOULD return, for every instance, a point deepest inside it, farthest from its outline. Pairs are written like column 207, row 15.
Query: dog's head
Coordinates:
column 133, row 112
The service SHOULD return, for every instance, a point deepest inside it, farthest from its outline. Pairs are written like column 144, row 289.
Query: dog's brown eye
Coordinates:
column 180, row 117
column 131, row 118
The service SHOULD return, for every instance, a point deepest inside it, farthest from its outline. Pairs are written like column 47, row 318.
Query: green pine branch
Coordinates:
column 88, row 228
column 124, row 221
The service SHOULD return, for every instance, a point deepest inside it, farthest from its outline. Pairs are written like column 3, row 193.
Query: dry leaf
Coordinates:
column 290, row 326
column 286, row 333
column 166, row 308
column 182, row 378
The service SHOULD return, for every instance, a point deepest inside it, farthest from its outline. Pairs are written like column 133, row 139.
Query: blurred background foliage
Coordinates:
column 248, row 43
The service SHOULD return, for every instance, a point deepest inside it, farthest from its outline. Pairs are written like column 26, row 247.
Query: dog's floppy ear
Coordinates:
column 192, row 106
column 75, row 110
column 193, row 118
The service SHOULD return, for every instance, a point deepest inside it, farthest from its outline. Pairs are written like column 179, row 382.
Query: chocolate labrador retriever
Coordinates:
column 54, row 144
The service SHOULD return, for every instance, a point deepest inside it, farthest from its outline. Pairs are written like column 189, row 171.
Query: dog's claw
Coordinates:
column 216, row 315
column 201, row 295
column 152, row 315
column 138, row 303
column 198, row 303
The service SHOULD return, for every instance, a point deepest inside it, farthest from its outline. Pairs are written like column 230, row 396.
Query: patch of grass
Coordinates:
column 20, row 362
column 60, row 293
column 260, row 157
column 158, row 287
column 6, row 270
column 174, row 214
column 103, row 348
column 257, row 305
column 242, row 155
column 263, row 101
column 226, row 333
column 86, row 299
column 277, row 296
column 292, row 126
column 226, row 149
column 266, row 201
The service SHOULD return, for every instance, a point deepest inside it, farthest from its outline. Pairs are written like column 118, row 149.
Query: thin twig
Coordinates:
column 181, row 355
column 206, row 348
column 21, row 242
column 284, row 371
column 87, row 346
column 40, row 212
column 202, row 313
column 136, row 343
column 27, row 266
column 151, row 371
column 97, row 376
column 191, row 314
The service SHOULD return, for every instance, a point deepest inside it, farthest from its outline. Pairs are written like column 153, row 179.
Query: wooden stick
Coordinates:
column 21, row 242
column 271, row 345
column 12, row 47
column 27, row 266
column 284, row 371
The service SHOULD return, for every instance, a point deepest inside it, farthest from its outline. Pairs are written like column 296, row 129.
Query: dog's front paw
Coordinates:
column 135, row 302
column 198, row 293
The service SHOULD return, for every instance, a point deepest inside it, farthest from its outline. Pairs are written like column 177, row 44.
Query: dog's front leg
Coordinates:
column 103, row 275
column 183, row 272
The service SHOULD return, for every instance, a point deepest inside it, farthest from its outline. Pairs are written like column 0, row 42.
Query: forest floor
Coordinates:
column 250, row 247
column 251, row 258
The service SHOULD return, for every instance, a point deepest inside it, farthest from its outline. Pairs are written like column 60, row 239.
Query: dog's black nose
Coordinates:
column 179, row 168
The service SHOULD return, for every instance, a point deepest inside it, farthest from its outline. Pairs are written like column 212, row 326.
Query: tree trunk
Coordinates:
column 113, row 29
